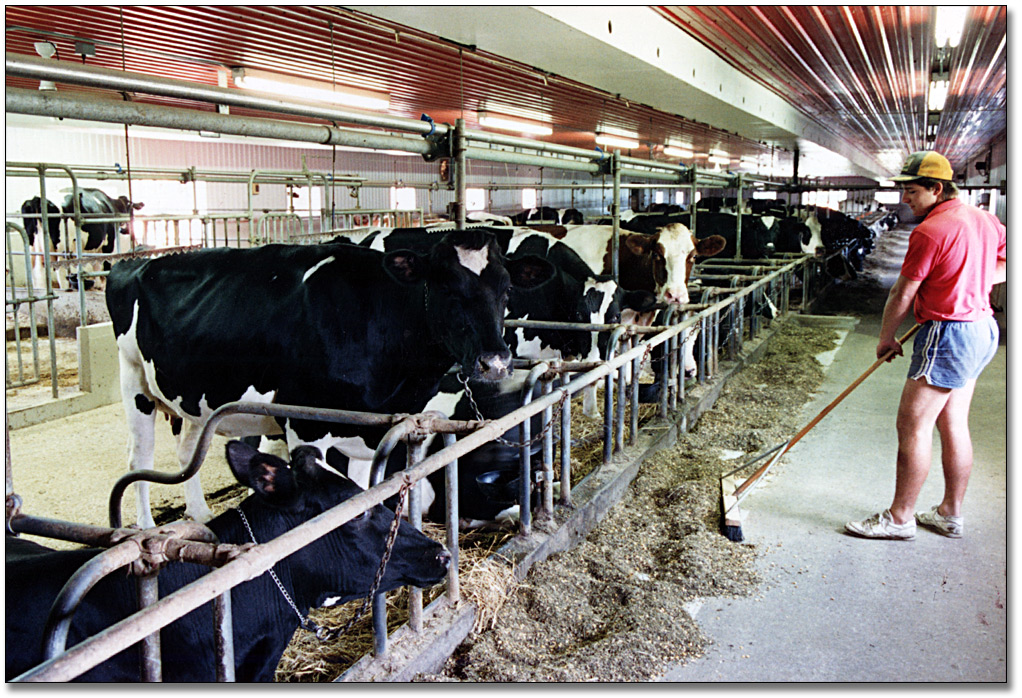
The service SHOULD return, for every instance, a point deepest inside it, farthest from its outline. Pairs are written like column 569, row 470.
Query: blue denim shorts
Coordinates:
column 949, row 354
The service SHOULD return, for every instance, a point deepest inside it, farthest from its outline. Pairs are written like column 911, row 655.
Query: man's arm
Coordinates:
column 899, row 305
column 1001, row 271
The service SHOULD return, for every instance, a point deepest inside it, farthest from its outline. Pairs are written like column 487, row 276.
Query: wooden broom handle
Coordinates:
column 823, row 413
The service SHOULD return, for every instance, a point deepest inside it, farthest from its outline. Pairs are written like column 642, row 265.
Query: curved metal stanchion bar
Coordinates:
column 209, row 428
column 58, row 623
column 257, row 560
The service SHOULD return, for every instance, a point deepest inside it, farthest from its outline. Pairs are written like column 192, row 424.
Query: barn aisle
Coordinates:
column 838, row 608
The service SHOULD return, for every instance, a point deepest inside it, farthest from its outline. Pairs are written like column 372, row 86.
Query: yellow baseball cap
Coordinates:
column 925, row 163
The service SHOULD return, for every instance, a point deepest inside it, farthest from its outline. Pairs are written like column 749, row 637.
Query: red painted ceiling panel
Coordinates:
column 860, row 71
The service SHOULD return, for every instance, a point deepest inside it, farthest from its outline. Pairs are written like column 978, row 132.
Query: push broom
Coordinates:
column 731, row 526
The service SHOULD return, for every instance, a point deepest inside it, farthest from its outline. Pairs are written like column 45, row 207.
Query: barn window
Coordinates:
column 475, row 200
column 528, row 198
column 402, row 198
column 888, row 198
column 769, row 195
column 679, row 197
column 658, row 197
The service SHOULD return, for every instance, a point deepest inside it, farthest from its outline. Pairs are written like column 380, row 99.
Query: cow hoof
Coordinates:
column 202, row 515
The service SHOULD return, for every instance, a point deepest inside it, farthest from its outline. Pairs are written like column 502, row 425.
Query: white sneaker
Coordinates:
column 950, row 526
column 882, row 526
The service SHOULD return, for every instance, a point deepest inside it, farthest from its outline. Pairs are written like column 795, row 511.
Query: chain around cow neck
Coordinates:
column 322, row 633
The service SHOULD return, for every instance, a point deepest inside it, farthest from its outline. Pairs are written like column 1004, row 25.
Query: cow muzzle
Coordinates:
column 675, row 295
column 492, row 367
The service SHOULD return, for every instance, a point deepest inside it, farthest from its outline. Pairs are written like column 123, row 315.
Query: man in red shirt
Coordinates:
column 954, row 258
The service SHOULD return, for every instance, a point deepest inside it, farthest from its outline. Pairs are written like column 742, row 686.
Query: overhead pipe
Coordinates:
column 61, row 105
column 35, row 68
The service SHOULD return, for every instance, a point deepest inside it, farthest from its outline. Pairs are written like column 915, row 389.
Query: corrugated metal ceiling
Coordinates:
column 866, row 70
column 862, row 71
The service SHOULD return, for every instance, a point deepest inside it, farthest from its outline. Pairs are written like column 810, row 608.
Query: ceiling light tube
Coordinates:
column 616, row 141
column 950, row 25
column 719, row 160
column 301, row 88
column 938, row 95
column 507, row 124
column 674, row 151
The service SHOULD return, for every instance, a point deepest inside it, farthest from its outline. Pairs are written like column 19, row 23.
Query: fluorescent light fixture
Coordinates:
column 615, row 141
column 938, row 95
column 674, row 151
column 719, row 157
column 507, row 124
column 950, row 25
column 262, row 81
column 717, row 152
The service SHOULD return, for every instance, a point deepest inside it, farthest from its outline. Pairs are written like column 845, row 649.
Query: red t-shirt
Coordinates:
column 954, row 252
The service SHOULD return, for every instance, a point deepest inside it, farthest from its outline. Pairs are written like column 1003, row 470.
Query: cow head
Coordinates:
column 341, row 565
column 667, row 258
column 466, row 291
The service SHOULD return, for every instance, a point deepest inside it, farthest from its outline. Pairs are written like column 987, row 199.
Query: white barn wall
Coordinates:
column 74, row 145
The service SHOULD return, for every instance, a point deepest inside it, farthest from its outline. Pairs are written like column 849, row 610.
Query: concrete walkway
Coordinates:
column 843, row 609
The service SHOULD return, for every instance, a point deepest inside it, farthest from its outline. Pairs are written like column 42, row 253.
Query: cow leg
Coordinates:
column 140, row 413
column 195, row 500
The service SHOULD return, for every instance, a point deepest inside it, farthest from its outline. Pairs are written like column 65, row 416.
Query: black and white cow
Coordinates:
column 545, row 215
column 331, row 326
column 48, row 243
column 333, row 570
column 98, row 235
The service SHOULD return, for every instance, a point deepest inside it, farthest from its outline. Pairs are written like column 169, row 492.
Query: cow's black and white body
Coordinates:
column 332, row 570
column 549, row 216
column 331, row 326
column 47, row 243
column 101, row 235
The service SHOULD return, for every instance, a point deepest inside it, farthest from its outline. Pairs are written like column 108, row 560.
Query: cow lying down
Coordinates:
column 335, row 569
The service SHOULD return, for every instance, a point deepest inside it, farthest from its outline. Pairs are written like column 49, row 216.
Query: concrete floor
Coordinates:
column 838, row 608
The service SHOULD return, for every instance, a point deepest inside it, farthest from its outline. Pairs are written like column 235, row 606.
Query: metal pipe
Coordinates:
column 608, row 397
column 513, row 158
column 415, row 451
column 565, row 446
column 548, row 454
column 256, row 561
column 615, row 212
column 223, row 624
column 619, row 418
column 451, row 492
column 58, row 622
column 31, row 67
column 460, row 174
column 525, row 453
column 634, row 425
column 151, row 669
column 60, row 105
column 209, row 428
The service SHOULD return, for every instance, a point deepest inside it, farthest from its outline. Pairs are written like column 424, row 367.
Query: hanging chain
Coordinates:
column 322, row 633
column 502, row 440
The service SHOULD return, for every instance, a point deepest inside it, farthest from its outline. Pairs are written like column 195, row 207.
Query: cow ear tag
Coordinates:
column 269, row 476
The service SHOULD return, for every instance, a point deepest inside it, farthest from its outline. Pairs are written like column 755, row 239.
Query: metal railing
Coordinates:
column 560, row 383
